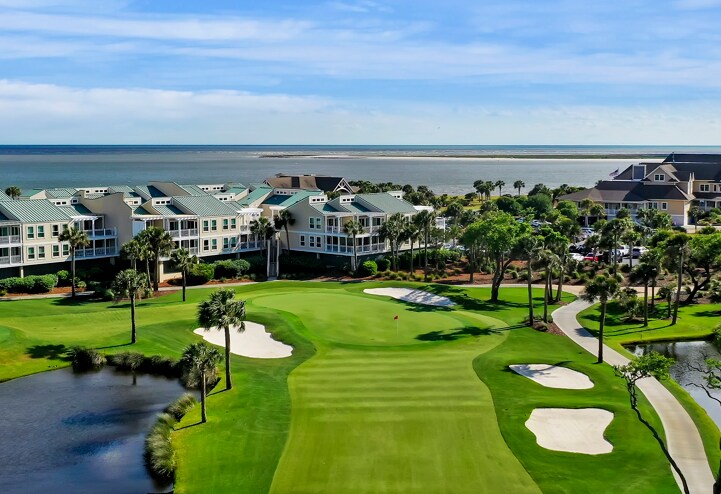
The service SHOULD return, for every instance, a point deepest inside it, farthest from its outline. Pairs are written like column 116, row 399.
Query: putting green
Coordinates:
column 369, row 418
column 336, row 317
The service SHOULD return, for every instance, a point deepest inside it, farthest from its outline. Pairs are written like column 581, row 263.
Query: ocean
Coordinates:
column 445, row 169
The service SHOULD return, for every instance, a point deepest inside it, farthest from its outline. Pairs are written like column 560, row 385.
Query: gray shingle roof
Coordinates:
column 33, row 211
column 204, row 206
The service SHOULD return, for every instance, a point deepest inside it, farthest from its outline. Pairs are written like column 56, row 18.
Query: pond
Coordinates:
column 688, row 354
column 79, row 433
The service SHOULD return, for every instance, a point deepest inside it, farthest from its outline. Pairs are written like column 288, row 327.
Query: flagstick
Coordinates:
column 396, row 328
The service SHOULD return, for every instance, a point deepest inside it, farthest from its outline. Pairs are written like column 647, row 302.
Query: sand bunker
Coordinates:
column 254, row 342
column 571, row 430
column 413, row 296
column 553, row 376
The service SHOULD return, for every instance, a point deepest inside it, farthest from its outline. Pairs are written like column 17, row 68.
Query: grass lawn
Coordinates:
column 363, row 405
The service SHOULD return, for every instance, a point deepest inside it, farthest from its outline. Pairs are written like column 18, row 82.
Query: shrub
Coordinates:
column 258, row 264
column 154, row 364
column 383, row 263
column 181, row 406
column 63, row 277
column 514, row 275
column 199, row 274
column 230, row 268
column 300, row 264
column 625, row 268
column 159, row 451
column 84, row 359
column 368, row 268
column 29, row 284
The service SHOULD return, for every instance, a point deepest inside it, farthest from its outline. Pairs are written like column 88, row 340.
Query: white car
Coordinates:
column 576, row 256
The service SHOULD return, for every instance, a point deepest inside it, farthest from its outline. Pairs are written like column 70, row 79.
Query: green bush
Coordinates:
column 258, row 264
column 368, row 268
column 63, row 277
column 625, row 268
column 84, row 359
column 180, row 407
column 514, row 275
column 159, row 451
column 199, row 274
column 230, row 268
column 153, row 364
column 383, row 263
column 29, row 284
column 301, row 264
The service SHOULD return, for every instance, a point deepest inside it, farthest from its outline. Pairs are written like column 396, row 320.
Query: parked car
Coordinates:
column 587, row 231
column 638, row 252
column 577, row 257
column 591, row 257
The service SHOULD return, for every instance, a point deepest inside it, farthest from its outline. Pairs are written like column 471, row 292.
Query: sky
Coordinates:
column 360, row 72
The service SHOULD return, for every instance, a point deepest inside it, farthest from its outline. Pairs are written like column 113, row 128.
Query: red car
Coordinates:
column 591, row 257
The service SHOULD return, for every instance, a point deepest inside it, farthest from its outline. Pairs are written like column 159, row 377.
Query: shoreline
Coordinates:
column 518, row 157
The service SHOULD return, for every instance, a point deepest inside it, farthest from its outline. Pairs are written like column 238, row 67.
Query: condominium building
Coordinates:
column 208, row 220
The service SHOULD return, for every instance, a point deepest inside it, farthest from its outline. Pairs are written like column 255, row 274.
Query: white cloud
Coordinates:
column 44, row 113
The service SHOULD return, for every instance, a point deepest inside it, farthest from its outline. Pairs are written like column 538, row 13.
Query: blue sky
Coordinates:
column 360, row 72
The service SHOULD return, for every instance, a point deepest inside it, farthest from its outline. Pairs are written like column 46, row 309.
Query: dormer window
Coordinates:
column 659, row 177
column 704, row 188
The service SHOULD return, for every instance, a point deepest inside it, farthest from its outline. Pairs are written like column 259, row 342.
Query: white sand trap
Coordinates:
column 413, row 296
column 571, row 430
column 552, row 376
column 254, row 342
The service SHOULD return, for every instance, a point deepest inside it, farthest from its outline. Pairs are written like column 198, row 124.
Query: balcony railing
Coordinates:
column 339, row 229
column 96, row 252
column 10, row 260
column 361, row 249
column 190, row 232
column 102, row 232
column 9, row 239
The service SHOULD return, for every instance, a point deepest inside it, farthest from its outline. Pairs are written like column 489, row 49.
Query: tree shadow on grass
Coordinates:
column 456, row 334
column 707, row 313
column 77, row 301
column 52, row 352
column 189, row 426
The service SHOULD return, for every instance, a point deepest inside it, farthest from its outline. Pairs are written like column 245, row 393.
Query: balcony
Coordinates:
column 361, row 249
column 96, row 252
column 9, row 239
column 102, row 233
column 9, row 260
column 339, row 230
column 191, row 232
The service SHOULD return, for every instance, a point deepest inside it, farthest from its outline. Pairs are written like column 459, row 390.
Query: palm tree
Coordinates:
column 222, row 311
column 499, row 185
column 201, row 361
column 283, row 221
column 531, row 247
column 484, row 188
column 550, row 261
column 392, row 230
column 602, row 288
column 76, row 238
column 133, row 251
column 413, row 234
column 130, row 284
column 518, row 185
column 263, row 229
column 425, row 220
column 677, row 251
column 666, row 293
column 159, row 244
column 182, row 260
column 13, row 192
column 353, row 228
column 644, row 273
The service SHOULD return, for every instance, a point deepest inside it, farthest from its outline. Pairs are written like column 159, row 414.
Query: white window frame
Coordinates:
column 705, row 188
column 206, row 226
column 213, row 244
column 55, row 231
column 302, row 240
column 31, row 233
column 206, row 245
column 31, row 253
column 659, row 177
column 66, row 249
column 41, row 231
column 664, row 206
column 41, row 252
column 56, row 250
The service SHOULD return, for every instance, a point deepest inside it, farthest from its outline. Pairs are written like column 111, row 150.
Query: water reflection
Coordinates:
column 79, row 433
column 689, row 355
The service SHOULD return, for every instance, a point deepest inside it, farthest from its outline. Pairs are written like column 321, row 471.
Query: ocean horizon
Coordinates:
column 445, row 169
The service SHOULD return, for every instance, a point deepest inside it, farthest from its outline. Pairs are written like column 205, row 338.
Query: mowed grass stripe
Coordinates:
column 404, row 422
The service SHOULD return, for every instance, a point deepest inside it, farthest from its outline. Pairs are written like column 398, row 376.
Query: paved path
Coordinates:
column 682, row 438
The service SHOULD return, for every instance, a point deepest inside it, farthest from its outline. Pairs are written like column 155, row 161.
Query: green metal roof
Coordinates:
column 206, row 205
column 288, row 200
column 324, row 207
column 33, row 211
column 140, row 211
column 149, row 191
column 238, row 189
column 29, row 193
column 387, row 203
column 169, row 210
column 60, row 193
column 77, row 210
column 256, row 194
column 194, row 190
